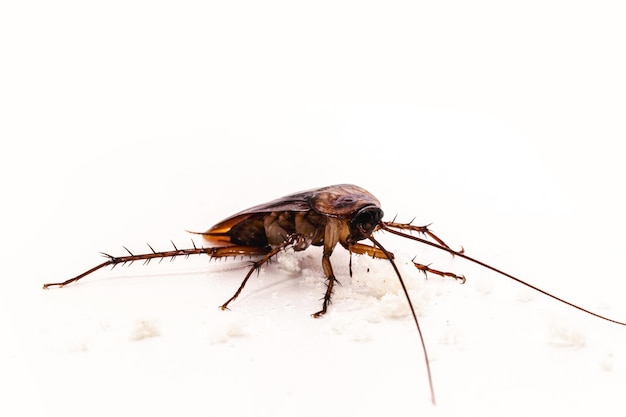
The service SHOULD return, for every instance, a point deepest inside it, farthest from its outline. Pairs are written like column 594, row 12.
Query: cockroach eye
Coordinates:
column 364, row 222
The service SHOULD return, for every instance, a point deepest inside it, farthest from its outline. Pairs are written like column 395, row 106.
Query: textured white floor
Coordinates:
column 135, row 122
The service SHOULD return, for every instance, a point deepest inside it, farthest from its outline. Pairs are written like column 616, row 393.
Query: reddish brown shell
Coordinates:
column 342, row 200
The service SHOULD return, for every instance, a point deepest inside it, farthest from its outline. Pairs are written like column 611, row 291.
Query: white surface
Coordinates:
column 132, row 122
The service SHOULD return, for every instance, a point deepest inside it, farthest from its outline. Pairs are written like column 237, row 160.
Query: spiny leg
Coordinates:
column 461, row 254
column 426, row 231
column 362, row 249
column 377, row 253
column 112, row 261
column 372, row 251
column 216, row 252
column 330, row 283
column 426, row 270
column 289, row 240
column 419, row 229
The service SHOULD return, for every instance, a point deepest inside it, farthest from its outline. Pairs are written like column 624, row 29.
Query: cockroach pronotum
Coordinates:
column 344, row 214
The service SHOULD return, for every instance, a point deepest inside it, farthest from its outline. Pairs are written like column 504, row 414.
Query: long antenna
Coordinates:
column 419, row 330
column 383, row 226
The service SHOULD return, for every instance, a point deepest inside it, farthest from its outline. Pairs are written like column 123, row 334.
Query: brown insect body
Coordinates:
column 307, row 213
column 343, row 214
column 339, row 214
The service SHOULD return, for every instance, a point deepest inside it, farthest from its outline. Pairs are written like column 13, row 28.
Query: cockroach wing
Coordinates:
column 293, row 202
column 252, row 219
column 341, row 200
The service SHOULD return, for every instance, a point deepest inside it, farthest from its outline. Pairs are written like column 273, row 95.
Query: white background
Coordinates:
column 130, row 122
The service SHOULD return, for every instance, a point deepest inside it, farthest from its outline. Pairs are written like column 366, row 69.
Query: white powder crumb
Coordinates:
column 394, row 306
column 606, row 364
column 361, row 333
column 144, row 329
column 79, row 347
column 484, row 286
column 289, row 263
column 354, row 327
column 223, row 330
column 564, row 334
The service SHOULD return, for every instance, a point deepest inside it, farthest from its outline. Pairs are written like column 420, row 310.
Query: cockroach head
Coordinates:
column 364, row 221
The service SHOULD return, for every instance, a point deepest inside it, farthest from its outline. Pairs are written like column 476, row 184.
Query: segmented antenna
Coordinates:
column 417, row 324
column 388, row 227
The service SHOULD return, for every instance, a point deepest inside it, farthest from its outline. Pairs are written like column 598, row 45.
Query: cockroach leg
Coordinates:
column 461, row 254
column 330, row 281
column 216, row 252
column 112, row 261
column 226, row 251
column 426, row 270
column 419, row 229
column 289, row 240
column 362, row 249
column 372, row 251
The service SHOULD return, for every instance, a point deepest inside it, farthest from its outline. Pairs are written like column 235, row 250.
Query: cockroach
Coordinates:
column 342, row 214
